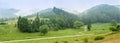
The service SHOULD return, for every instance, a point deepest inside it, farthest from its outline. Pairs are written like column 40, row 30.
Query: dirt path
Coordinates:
column 45, row 38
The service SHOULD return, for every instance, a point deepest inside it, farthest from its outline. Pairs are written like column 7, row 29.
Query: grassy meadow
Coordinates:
column 10, row 32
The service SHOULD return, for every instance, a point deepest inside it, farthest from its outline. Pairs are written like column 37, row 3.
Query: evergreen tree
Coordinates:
column 23, row 24
column 18, row 22
column 89, row 25
column 36, row 24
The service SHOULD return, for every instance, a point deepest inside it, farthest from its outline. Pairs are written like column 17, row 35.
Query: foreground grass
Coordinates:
column 10, row 32
column 109, row 38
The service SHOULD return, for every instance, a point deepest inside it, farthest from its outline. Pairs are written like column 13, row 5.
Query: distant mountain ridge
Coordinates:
column 98, row 13
column 102, row 13
column 8, row 13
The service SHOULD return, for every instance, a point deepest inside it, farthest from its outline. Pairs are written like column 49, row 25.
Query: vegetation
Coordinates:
column 102, row 13
column 118, row 27
column 44, row 29
column 113, row 23
column 78, row 24
column 89, row 25
column 113, row 29
column 3, row 23
column 36, row 24
column 85, row 40
column 99, row 38
column 65, row 42
column 57, row 23
column 24, row 25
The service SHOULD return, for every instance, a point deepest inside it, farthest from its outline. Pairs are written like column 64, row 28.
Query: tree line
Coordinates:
column 55, row 20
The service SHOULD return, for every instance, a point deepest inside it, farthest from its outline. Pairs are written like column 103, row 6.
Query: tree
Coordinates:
column 18, row 22
column 118, row 27
column 23, row 24
column 114, row 23
column 78, row 24
column 89, row 25
column 36, row 24
column 44, row 29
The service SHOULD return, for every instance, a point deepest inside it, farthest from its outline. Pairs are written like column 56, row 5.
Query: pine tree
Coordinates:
column 36, row 24
column 89, row 25
column 23, row 24
column 18, row 22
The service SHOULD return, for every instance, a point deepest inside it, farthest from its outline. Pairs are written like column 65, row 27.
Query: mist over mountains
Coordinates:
column 96, row 13
column 8, row 13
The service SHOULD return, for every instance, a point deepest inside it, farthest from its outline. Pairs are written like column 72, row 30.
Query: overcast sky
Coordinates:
column 78, row 5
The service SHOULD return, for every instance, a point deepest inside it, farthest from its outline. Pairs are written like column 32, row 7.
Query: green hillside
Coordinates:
column 54, row 25
column 102, row 13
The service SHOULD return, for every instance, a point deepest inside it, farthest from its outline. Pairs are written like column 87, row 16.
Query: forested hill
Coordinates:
column 102, row 13
column 57, row 16
column 99, row 13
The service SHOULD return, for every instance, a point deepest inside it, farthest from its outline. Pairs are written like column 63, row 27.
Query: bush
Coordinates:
column 65, row 42
column 98, row 38
column 85, row 40
column 44, row 29
column 112, row 28
column 118, row 27
column 56, row 42
column 3, row 23
column 114, row 23
column 78, row 24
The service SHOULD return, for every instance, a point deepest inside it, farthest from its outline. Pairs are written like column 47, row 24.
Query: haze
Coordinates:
column 77, row 5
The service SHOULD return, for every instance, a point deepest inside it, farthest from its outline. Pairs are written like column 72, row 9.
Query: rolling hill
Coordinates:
column 102, row 13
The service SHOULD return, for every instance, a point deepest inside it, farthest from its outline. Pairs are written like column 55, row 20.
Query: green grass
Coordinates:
column 10, row 32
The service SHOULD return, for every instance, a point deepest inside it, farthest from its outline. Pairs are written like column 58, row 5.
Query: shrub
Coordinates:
column 78, row 24
column 85, row 40
column 3, row 23
column 76, row 40
column 98, row 38
column 118, row 27
column 65, row 41
column 56, row 42
column 44, row 29
column 112, row 28
column 114, row 23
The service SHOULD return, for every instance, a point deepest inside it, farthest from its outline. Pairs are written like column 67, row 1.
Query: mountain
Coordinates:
column 38, row 11
column 8, row 13
column 102, row 13
column 117, row 6
column 57, row 15
column 56, row 12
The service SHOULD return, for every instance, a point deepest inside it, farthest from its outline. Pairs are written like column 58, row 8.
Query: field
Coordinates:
column 114, row 38
column 10, row 32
